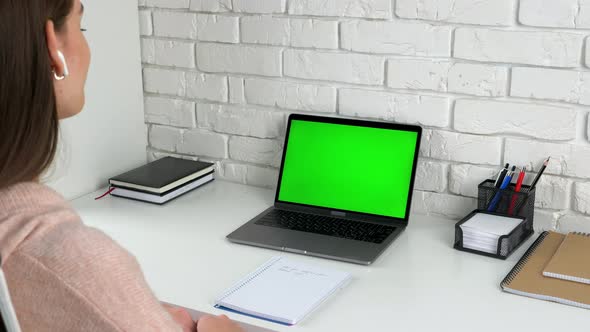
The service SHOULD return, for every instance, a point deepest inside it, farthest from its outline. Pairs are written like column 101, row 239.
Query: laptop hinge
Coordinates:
column 340, row 214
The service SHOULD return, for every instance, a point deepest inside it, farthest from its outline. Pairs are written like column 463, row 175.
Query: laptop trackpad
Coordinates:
column 309, row 243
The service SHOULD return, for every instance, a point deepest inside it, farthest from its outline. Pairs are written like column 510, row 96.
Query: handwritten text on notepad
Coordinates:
column 300, row 272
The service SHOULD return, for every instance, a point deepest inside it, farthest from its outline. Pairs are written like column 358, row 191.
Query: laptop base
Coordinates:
column 310, row 244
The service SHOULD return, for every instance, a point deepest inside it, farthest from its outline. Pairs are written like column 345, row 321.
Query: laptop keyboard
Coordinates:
column 341, row 228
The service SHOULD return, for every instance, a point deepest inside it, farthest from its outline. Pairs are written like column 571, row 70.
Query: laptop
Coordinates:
column 344, row 190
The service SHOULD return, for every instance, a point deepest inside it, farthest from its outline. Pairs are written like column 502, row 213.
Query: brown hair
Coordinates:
column 28, row 114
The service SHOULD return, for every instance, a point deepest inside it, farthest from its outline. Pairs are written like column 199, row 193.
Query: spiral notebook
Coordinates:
column 526, row 278
column 572, row 259
column 282, row 291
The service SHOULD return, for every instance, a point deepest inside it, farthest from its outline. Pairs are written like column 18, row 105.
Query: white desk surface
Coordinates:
column 419, row 284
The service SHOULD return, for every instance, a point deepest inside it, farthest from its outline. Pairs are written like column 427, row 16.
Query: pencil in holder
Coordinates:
column 508, row 203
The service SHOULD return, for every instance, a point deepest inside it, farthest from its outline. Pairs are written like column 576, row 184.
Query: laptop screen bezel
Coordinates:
column 346, row 213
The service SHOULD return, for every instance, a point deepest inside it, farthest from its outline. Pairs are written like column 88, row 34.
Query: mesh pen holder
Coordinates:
column 506, row 203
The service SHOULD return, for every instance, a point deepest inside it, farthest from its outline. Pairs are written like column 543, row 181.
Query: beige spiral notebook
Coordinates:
column 572, row 259
column 526, row 278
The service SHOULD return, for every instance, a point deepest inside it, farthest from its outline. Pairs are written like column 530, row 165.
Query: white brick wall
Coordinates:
column 175, row 24
column 553, row 193
column 491, row 81
column 314, row 33
column 250, row 174
column 558, row 14
column 331, row 66
column 295, row 96
column 444, row 75
column 483, row 12
column 239, row 121
column 259, row 6
column 431, row 176
column 479, row 80
column 239, row 59
column 496, row 117
column 211, row 5
column 266, row 30
column 168, row 53
column 217, row 28
column 341, row 8
column 256, row 150
column 164, row 138
column 571, row 160
column 396, row 38
column 237, row 95
column 582, row 197
column 418, row 74
column 552, row 49
column 464, row 179
column 404, row 108
column 445, row 145
column 448, row 205
column 573, row 223
column 553, row 84
column 171, row 112
column 145, row 23
column 164, row 81
column 203, row 143
column 206, row 86
column 168, row 3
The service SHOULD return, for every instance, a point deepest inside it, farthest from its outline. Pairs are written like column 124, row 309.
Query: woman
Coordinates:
column 62, row 275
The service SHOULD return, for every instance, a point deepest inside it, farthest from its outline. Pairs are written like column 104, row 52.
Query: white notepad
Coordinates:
column 491, row 224
column 282, row 291
column 483, row 231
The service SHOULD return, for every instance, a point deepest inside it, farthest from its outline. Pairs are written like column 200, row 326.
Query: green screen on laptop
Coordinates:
column 351, row 168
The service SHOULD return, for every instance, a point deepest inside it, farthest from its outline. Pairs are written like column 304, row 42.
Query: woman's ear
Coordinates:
column 57, row 63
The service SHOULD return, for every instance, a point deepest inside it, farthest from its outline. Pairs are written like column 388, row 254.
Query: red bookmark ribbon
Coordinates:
column 105, row 194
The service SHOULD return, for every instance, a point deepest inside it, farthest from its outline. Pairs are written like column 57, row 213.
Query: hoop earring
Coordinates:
column 58, row 78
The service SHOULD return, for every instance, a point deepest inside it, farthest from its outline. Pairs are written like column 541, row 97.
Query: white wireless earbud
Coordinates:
column 63, row 60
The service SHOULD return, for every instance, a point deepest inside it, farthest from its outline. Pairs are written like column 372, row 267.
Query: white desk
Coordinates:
column 419, row 284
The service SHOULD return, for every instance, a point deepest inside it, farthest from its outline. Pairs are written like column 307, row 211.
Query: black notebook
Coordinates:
column 162, row 175
column 140, row 195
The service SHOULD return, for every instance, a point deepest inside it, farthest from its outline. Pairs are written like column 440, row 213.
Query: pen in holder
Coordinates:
column 503, row 202
column 507, row 201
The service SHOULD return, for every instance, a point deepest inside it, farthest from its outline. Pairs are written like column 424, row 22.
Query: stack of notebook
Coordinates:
column 162, row 180
column 555, row 268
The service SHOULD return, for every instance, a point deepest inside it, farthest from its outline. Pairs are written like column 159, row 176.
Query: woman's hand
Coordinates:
column 217, row 324
column 181, row 317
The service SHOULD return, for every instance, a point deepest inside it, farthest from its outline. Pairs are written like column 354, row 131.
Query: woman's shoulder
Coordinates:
column 38, row 222
column 75, row 244
column 29, row 196
column 89, row 267
column 30, row 211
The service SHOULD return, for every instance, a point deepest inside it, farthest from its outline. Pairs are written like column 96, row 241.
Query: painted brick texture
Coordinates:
column 490, row 81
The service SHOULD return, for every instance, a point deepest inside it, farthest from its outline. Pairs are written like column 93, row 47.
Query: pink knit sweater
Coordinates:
column 64, row 276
